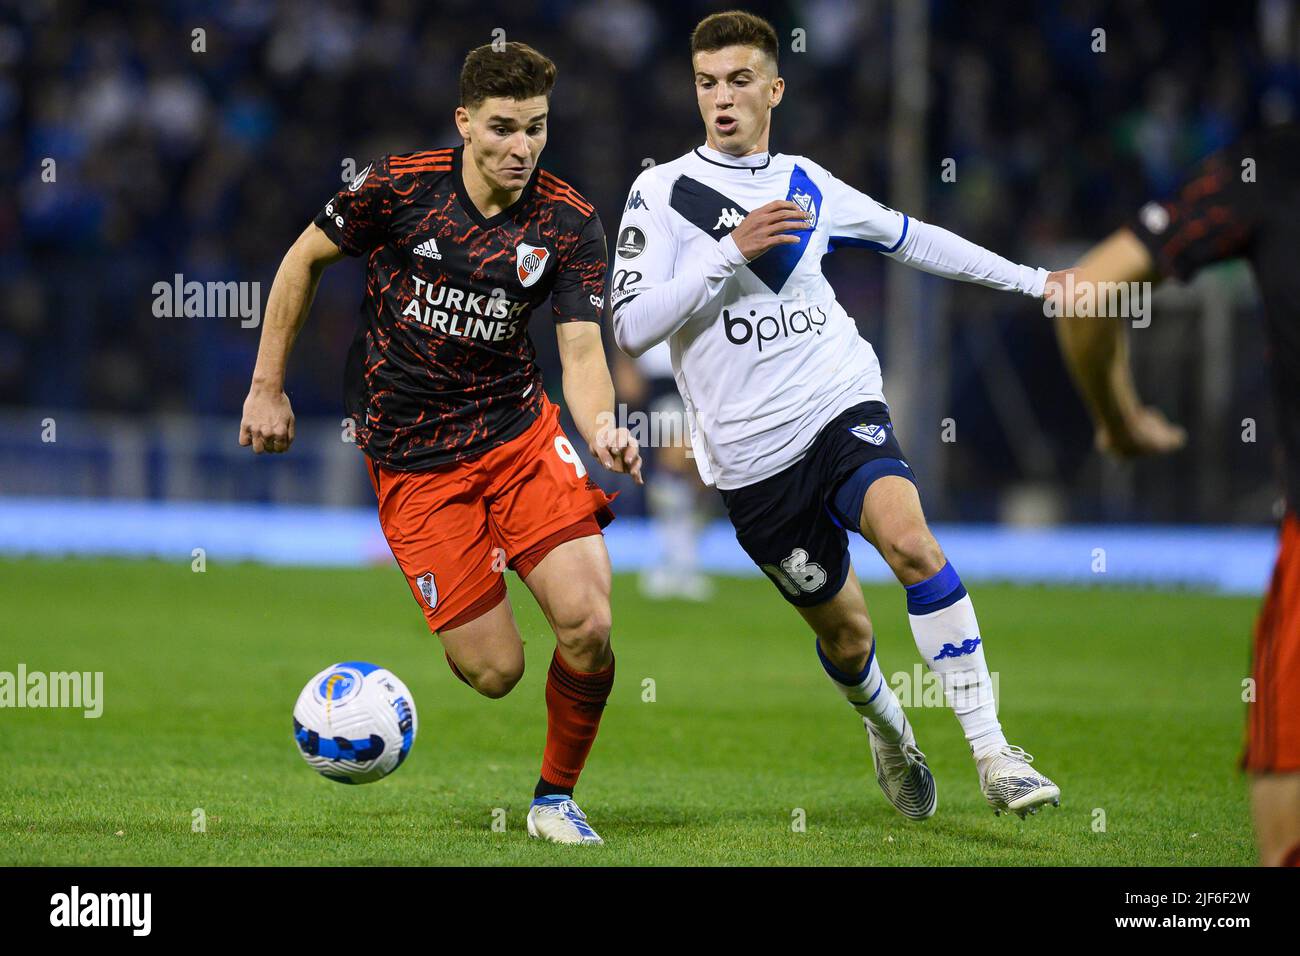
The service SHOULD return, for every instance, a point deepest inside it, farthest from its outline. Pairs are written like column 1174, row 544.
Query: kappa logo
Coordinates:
column 428, row 248
column 950, row 650
column 428, row 589
column 872, row 434
column 729, row 218
column 530, row 263
column 635, row 201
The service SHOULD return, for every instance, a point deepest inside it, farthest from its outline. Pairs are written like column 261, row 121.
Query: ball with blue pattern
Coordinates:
column 354, row 722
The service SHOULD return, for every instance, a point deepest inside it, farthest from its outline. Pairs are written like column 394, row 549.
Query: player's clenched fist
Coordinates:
column 617, row 450
column 267, row 424
column 770, row 225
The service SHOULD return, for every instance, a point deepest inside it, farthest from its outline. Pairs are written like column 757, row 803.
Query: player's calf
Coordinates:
column 846, row 640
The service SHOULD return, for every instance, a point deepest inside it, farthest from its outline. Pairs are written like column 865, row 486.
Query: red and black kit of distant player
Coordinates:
column 442, row 368
column 1244, row 202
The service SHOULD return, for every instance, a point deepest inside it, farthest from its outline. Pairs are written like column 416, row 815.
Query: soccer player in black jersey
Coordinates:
column 465, row 452
column 1243, row 202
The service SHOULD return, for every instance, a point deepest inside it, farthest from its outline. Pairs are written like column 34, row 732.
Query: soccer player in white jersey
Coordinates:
column 720, row 253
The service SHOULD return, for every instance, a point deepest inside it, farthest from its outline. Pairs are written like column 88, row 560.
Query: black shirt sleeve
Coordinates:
column 356, row 219
column 1216, row 215
column 579, row 291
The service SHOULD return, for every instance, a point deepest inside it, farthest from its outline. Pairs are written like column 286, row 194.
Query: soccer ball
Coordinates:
column 354, row 722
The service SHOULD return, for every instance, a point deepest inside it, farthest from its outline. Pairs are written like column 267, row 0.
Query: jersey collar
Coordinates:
column 752, row 162
column 471, row 210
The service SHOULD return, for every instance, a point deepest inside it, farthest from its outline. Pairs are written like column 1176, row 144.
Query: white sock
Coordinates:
column 870, row 695
column 948, row 637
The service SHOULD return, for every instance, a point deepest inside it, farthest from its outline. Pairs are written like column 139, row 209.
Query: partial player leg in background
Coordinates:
column 673, row 500
column 946, row 632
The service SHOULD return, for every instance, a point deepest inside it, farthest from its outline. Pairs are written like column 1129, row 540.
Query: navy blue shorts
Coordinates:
column 793, row 524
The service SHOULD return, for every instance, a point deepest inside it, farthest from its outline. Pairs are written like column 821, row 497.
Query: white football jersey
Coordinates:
column 763, row 354
column 657, row 362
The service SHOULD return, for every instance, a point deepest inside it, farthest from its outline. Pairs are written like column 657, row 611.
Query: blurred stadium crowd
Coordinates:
column 209, row 163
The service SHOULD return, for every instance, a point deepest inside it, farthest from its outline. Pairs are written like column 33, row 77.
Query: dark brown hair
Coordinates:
column 734, row 28
column 516, row 71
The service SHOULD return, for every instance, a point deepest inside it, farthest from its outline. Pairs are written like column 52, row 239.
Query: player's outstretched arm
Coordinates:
column 1095, row 350
column 267, row 422
column 589, row 393
column 940, row 252
column 855, row 219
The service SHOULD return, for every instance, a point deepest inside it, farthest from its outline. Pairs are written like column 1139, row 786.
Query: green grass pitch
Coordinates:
column 1131, row 700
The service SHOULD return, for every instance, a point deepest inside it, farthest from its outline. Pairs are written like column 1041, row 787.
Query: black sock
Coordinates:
column 544, row 789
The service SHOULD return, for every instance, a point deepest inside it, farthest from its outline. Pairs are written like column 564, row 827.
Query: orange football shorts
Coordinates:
column 455, row 529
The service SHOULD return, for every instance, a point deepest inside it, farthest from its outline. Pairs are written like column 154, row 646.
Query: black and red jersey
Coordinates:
column 442, row 367
column 1244, row 202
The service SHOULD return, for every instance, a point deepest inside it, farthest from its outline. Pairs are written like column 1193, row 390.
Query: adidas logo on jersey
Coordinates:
column 428, row 248
column 729, row 218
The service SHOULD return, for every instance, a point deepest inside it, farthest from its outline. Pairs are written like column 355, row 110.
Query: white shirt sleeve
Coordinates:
column 935, row 250
column 858, row 220
column 651, row 297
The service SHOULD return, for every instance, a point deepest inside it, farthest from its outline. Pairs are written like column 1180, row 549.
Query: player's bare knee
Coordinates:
column 585, row 635
column 495, row 682
column 913, row 555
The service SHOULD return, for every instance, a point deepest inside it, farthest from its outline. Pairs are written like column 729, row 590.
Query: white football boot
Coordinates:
column 1010, row 783
column 902, row 773
column 558, row 819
